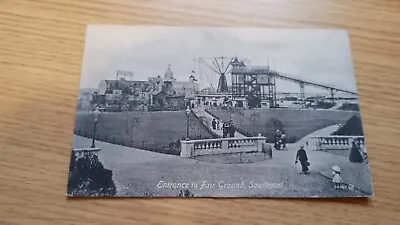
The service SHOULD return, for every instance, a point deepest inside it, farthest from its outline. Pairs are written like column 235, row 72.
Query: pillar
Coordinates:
column 186, row 149
column 259, row 143
column 224, row 145
column 302, row 95
column 333, row 95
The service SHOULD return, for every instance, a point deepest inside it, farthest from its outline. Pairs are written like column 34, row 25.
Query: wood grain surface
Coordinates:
column 41, row 48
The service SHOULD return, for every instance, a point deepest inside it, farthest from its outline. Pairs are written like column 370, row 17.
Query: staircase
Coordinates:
column 206, row 118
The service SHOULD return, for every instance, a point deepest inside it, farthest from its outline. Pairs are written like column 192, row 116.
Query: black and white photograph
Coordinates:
column 217, row 112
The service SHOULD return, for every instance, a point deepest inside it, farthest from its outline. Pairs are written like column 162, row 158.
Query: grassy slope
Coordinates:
column 149, row 130
column 297, row 123
column 156, row 131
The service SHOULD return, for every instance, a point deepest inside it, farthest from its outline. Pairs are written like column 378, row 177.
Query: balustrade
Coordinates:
column 242, row 143
column 193, row 148
column 211, row 144
column 337, row 142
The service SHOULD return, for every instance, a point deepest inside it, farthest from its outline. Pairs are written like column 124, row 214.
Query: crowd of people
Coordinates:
column 228, row 129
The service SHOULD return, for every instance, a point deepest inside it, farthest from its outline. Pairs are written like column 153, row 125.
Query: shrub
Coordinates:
column 324, row 105
column 271, row 126
column 353, row 127
column 350, row 107
column 275, row 124
column 88, row 177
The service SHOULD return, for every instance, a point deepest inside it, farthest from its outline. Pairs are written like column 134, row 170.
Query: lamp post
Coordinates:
column 96, row 114
column 230, row 108
column 253, row 118
column 187, row 122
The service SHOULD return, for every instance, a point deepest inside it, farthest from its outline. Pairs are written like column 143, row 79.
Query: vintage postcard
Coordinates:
column 218, row 112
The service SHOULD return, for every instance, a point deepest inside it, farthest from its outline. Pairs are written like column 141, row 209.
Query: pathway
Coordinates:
column 315, row 157
column 312, row 142
column 357, row 174
column 117, row 158
column 339, row 103
column 137, row 172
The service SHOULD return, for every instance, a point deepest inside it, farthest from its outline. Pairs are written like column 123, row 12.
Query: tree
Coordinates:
column 276, row 124
column 253, row 101
column 272, row 126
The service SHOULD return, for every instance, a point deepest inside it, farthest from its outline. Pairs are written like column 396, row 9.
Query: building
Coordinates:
column 187, row 88
column 122, row 94
column 173, row 94
column 159, row 93
column 85, row 97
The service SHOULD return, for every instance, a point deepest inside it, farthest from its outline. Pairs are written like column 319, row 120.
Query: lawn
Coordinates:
column 154, row 131
column 296, row 123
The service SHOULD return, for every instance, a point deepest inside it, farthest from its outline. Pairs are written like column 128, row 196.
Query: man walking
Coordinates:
column 302, row 157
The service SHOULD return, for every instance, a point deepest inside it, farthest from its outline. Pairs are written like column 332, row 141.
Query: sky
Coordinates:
column 318, row 55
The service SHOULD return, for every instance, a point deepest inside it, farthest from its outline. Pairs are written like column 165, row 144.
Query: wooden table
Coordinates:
column 41, row 48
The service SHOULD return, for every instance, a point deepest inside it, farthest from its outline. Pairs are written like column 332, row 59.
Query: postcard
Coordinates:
column 218, row 112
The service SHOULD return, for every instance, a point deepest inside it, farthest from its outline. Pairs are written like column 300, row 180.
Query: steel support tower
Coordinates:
column 258, row 83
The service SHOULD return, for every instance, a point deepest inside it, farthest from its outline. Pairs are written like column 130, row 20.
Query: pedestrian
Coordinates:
column 278, row 140
column 355, row 154
column 336, row 179
column 224, row 130
column 302, row 157
column 231, row 129
column 214, row 124
column 283, row 138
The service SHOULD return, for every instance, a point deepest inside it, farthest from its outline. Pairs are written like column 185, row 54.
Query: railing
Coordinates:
column 208, row 144
column 336, row 142
column 237, row 129
column 242, row 143
column 192, row 148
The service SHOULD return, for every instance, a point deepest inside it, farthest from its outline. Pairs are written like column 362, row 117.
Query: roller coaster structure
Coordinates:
column 259, row 82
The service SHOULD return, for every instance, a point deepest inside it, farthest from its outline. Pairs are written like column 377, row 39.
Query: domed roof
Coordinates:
column 169, row 75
